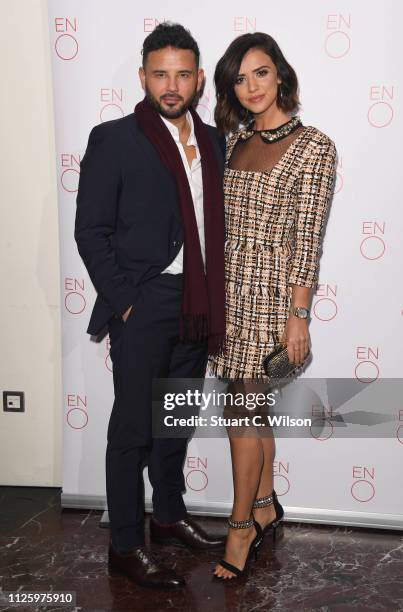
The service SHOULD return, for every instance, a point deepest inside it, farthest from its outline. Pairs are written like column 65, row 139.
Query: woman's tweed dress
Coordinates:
column 274, row 221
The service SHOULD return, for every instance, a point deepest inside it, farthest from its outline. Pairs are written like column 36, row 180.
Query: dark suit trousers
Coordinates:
column 144, row 347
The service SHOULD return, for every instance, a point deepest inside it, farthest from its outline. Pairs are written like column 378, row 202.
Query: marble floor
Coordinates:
column 43, row 548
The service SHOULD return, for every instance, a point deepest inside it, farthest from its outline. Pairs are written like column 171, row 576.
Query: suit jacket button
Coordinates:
column 174, row 243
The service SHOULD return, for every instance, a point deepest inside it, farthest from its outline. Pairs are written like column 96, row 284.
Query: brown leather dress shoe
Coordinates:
column 186, row 533
column 141, row 567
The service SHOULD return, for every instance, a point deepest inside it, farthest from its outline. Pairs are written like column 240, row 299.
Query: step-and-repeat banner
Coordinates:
column 347, row 57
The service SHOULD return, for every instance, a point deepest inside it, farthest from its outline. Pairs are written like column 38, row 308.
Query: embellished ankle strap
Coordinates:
column 262, row 502
column 246, row 524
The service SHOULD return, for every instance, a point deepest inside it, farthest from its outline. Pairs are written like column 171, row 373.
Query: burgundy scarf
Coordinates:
column 203, row 298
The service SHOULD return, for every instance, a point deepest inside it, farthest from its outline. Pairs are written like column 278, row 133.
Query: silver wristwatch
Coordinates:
column 300, row 312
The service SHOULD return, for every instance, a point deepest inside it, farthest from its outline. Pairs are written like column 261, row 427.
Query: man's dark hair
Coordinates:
column 168, row 34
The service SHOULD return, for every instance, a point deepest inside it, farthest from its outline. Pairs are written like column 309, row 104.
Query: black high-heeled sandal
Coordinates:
column 262, row 502
column 253, row 548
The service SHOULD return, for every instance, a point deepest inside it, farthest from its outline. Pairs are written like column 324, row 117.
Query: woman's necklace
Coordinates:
column 274, row 134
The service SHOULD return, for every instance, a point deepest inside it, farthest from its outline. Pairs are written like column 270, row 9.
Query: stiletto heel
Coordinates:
column 263, row 502
column 258, row 541
column 253, row 548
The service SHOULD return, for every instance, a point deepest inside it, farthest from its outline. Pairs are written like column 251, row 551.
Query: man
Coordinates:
column 150, row 230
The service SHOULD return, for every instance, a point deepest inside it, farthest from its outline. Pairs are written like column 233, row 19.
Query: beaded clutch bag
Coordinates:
column 277, row 365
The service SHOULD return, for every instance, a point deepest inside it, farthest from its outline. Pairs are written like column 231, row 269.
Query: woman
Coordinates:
column 278, row 182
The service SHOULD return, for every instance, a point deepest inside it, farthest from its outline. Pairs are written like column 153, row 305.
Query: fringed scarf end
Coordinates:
column 196, row 328
column 216, row 345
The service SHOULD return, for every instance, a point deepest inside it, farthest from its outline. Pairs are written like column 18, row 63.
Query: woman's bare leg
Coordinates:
column 265, row 515
column 247, row 462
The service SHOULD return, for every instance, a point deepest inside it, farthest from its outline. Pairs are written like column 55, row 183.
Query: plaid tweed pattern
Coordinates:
column 274, row 223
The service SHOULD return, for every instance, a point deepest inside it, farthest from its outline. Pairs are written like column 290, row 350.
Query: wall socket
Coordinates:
column 13, row 401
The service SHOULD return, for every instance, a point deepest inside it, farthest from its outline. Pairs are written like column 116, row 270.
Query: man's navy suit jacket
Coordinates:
column 128, row 225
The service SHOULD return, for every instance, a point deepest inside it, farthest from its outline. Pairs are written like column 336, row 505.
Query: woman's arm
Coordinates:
column 313, row 197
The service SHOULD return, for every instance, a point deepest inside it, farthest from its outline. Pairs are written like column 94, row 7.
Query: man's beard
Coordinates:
column 170, row 114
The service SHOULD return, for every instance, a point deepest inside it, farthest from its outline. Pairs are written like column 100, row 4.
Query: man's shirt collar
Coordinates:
column 174, row 131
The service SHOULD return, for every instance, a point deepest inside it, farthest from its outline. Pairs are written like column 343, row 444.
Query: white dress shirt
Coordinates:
column 194, row 176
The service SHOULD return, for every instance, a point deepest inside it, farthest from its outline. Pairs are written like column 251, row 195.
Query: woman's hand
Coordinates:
column 296, row 336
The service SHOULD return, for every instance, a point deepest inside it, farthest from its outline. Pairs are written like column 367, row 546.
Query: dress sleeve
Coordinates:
column 314, row 191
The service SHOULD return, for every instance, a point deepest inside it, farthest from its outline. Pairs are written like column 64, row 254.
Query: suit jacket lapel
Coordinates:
column 155, row 163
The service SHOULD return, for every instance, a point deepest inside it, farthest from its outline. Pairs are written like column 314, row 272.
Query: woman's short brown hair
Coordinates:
column 228, row 112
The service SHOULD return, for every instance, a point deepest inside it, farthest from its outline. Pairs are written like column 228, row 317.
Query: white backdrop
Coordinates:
column 347, row 57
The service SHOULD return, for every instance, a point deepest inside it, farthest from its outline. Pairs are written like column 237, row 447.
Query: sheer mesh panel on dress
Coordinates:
column 254, row 154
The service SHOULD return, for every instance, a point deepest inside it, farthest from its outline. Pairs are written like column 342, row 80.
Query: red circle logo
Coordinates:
column 366, row 371
column 197, row 480
column 111, row 111
column 282, row 484
column 69, row 180
column 337, row 45
column 362, row 491
column 372, row 247
column 325, row 309
column 66, row 46
column 325, row 429
column 380, row 114
column 77, row 418
column 75, row 302
column 339, row 182
column 108, row 362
